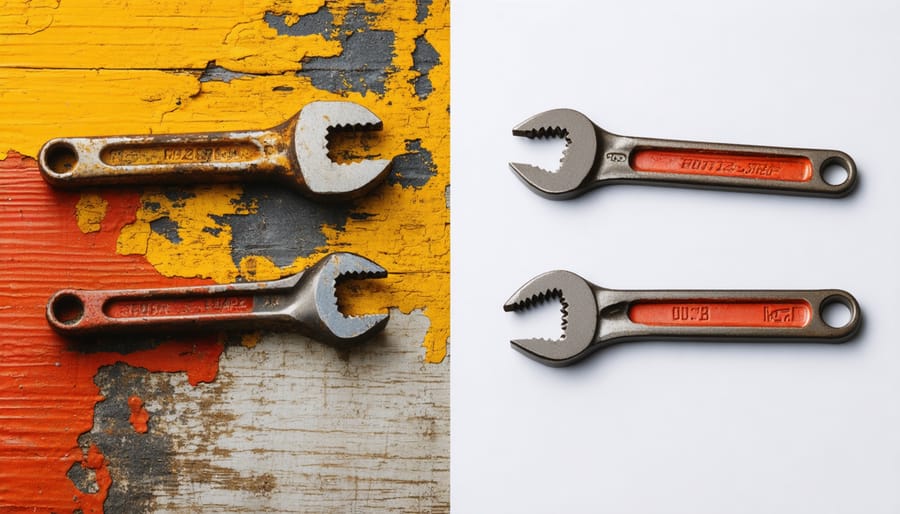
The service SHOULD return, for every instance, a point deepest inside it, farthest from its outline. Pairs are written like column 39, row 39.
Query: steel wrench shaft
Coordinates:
column 304, row 302
column 595, row 157
column 717, row 165
column 253, row 305
column 595, row 317
column 294, row 153
column 210, row 157
column 749, row 315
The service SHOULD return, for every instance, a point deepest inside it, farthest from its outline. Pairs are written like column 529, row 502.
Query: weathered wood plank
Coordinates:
column 275, row 423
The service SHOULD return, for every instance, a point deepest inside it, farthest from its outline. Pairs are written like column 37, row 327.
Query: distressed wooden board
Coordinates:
column 243, row 422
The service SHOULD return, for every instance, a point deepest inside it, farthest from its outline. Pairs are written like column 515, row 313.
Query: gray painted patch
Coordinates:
column 425, row 57
column 138, row 463
column 167, row 228
column 284, row 227
column 363, row 63
column 320, row 22
column 84, row 479
column 414, row 168
column 178, row 196
column 422, row 10
column 215, row 73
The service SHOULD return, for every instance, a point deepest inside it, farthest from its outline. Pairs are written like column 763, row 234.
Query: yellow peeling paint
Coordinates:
column 194, row 244
column 89, row 212
column 100, row 68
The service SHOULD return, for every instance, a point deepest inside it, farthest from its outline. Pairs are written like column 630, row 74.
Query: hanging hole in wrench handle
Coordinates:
column 803, row 315
column 715, row 165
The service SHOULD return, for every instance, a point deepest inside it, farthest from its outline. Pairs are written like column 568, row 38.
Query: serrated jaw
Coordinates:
column 322, row 176
column 578, row 322
column 335, row 268
column 577, row 159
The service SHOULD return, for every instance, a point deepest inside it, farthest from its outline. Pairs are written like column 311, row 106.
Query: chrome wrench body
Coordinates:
column 595, row 157
column 304, row 302
column 294, row 153
column 595, row 317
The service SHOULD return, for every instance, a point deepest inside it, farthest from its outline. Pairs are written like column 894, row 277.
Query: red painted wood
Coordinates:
column 47, row 390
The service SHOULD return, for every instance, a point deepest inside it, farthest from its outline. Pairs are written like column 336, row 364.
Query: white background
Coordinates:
column 675, row 427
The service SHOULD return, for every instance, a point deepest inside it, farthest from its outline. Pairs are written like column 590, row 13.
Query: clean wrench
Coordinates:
column 294, row 153
column 595, row 317
column 304, row 302
column 595, row 157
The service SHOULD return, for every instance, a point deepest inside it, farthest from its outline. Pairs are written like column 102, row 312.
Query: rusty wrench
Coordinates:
column 595, row 157
column 595, row 317
column 294, row 153
column 304, row 302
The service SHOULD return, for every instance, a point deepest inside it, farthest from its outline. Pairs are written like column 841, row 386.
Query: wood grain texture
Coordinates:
column 224, row 422
column 292, row 425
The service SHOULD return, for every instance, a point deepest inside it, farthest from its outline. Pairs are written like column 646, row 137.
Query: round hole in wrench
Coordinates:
column 835, row 174
column 61, row 158
column 68, row 309
column 836, row 313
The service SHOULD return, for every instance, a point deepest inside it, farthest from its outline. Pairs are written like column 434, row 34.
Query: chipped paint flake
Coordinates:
column 139, row 415
column 89, row 212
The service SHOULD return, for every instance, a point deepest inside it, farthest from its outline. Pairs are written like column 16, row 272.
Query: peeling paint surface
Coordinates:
column 145, row 424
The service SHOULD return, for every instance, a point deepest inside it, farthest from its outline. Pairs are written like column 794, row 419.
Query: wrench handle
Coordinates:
column 724, row 166
column 177, row 158
column 743, row 315
column 78, row 312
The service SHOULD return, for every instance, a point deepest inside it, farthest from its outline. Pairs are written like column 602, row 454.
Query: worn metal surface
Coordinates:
column 294, row 153
column 305, row 302
column 281, row 423
column 595, row 317
column 595, row 157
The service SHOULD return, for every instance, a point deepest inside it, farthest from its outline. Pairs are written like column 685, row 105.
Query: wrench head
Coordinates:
column 327, row 322
column 322, row 176
column 578, row 158
column 579, row 317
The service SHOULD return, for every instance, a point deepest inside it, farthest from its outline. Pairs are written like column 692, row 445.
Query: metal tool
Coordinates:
column 304, row 302
column 595, row 157
column 595, row 317
column 294, row 153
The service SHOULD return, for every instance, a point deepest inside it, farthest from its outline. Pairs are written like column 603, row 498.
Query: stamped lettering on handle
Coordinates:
column 755, row 166
column 161, row 308
column 175, row 153
column 698, row 313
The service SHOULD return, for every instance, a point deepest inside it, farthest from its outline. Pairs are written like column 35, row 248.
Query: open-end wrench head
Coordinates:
column 321, row 175
column 577, row 161
column 579, row 317
column 326, row 321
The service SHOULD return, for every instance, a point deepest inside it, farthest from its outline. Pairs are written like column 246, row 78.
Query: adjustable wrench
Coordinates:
column 294, row 153
column 595, row 157
column 304, row 302
column 595, row 317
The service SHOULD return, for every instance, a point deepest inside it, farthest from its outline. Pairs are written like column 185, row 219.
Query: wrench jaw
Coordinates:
column 579, row 317
column 578, row 158
column 322, row 177
column 317, row 306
